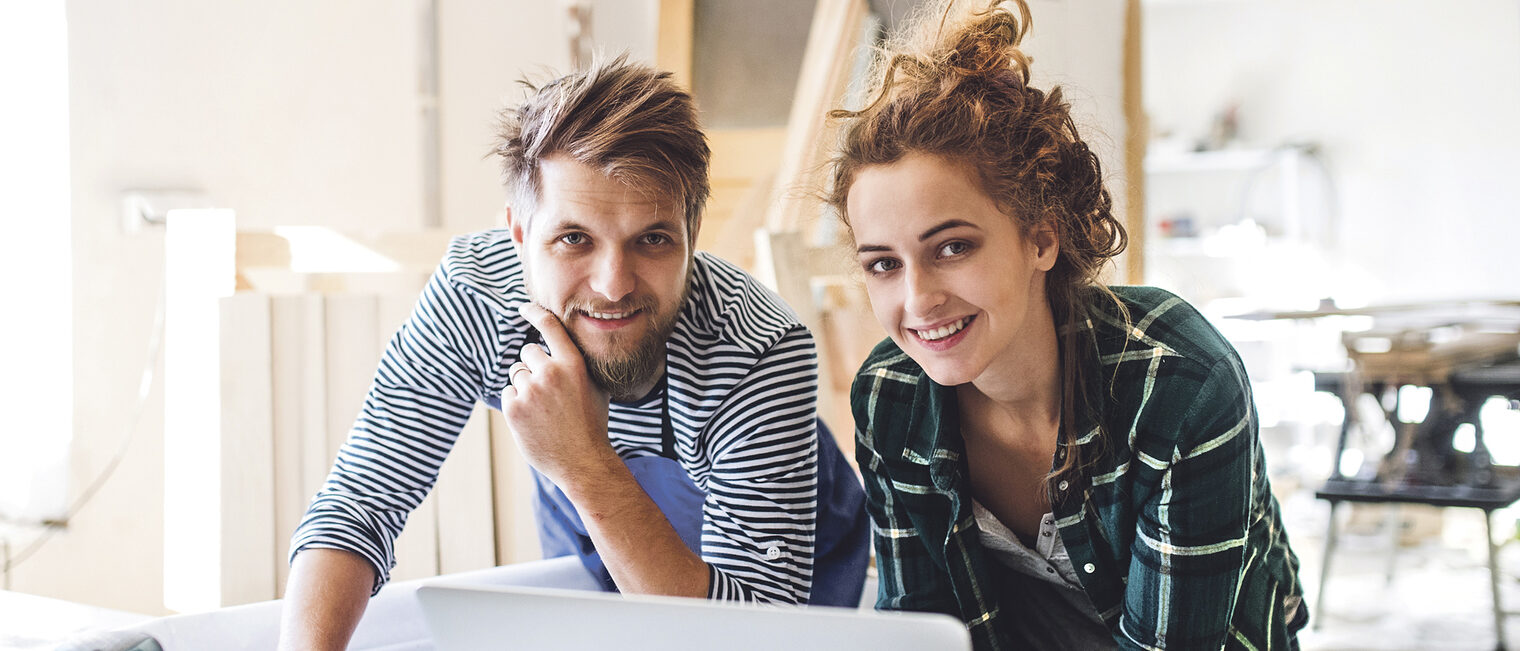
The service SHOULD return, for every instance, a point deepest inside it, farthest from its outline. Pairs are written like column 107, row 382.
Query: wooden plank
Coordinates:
column 351, row 350
column 198, row 273
column 745, row 154
column 298, row 415
column 1135, row 133
column 316, row 460
column 247, row 514
column 744, row 165
column 835, row 33
column 466, row 533
column 512, row 492
column 673, row 40
column 417, row 546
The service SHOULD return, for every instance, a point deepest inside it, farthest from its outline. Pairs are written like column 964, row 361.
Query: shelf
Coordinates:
column 1220, row 160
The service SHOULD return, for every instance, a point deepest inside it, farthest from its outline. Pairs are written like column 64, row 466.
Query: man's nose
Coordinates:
column 612, row 276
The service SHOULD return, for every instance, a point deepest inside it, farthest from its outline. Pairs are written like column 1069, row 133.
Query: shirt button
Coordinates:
column 773, row 553
column 1089, row 568
column 1045, row 533
column 1062, row 485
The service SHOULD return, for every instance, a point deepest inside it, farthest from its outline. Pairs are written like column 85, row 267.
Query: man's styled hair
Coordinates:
column 626, row 120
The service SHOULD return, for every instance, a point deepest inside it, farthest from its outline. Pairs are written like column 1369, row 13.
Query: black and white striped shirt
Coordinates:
column 742, row 381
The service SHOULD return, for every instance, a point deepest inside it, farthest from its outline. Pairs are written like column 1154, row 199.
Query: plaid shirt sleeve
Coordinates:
column 909, row 579
column 1189, row 552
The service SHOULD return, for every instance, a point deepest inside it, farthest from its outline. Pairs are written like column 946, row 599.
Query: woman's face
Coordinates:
column 951, row 278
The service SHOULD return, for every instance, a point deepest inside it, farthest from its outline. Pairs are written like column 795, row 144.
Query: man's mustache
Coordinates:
column 632, row 305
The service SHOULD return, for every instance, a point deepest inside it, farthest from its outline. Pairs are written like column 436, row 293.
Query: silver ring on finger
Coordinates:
column 515, row 369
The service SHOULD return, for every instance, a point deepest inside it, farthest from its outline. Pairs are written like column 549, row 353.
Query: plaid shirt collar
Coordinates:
column 932, row 436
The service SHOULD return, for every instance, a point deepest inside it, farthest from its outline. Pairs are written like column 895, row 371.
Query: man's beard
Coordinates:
column 625, row 373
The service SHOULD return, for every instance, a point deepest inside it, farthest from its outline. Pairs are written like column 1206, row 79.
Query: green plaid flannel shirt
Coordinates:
column 1174, row 533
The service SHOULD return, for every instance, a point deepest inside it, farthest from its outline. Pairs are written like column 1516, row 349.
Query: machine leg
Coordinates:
column 1324, row 568
column 1393, row 521
column 1493, row 579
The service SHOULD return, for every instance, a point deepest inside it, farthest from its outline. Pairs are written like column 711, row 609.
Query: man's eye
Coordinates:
column 573, row 239
column 656, row 239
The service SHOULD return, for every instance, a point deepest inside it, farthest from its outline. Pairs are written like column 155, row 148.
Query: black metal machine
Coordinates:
column 1466, row 353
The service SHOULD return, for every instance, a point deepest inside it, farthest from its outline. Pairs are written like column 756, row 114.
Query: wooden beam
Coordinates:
column 466, row 530
column 835, row 33
column 1136, row 137
column 245, row 520
column 673, row 42
column 512, row 494
column 298, row 370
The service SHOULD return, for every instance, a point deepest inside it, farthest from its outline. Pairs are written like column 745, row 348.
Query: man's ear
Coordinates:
column 516, row 226
column 1046, row 240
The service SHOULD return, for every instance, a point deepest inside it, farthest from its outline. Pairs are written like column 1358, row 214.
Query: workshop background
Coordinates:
column 218, row 211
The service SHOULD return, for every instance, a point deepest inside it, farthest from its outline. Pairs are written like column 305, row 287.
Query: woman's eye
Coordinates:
column 951, row 249
column 881, row 265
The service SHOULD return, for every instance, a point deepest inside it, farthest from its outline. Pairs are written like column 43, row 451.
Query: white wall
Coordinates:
column 34, row 181
column 288, row 112
column 1414, row 104
column 1080, row 46
column 486, row 48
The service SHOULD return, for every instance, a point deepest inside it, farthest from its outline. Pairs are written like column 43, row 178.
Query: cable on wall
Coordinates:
column 144, row 387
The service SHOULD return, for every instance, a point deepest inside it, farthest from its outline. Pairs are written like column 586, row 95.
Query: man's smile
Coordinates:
column 610, row 320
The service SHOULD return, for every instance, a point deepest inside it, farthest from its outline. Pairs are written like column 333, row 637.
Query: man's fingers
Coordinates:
column 534, row 357
column 553, row 331
column 517, row 367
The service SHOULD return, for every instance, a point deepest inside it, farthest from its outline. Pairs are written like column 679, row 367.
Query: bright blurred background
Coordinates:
column 1280, row 155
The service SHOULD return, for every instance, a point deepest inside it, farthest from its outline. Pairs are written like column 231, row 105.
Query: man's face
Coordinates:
column 613, row 264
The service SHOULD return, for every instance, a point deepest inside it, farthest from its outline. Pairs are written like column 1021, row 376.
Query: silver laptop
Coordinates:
column 471, row 618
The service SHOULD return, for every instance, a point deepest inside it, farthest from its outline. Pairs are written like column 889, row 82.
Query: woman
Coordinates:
column 1057, row 463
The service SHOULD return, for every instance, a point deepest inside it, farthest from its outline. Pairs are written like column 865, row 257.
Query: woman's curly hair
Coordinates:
column 956, row 85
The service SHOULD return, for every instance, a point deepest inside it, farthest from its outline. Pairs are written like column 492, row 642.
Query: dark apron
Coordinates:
column 841, row 538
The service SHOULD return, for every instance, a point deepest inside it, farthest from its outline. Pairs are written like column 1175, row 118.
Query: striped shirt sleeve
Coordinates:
column 426, row 385
column 758, row 518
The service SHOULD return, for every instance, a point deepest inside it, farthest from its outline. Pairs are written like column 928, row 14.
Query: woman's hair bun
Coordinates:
column 947, row 42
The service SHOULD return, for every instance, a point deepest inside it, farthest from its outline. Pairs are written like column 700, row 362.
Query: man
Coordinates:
column 664, row 399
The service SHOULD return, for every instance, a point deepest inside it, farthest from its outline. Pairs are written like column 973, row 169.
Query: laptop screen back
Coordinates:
column 471, row 618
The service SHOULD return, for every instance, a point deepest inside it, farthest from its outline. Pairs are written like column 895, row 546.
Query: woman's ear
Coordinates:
column 1046, row 240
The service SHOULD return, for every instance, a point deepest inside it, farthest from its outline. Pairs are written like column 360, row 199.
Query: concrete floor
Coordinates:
column 1438, row 596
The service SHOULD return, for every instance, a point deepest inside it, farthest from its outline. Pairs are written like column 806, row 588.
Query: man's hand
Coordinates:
column 560, row 418
column 558, row 414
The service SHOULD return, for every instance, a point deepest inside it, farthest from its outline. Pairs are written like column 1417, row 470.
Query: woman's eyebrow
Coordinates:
column 945, row 225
